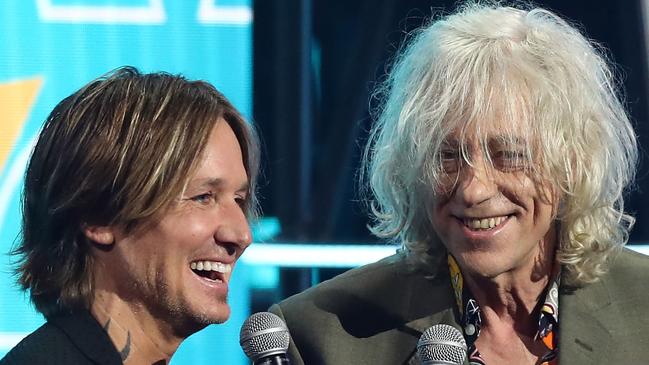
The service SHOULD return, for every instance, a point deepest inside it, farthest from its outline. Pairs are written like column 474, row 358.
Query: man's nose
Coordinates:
column 476, row 184
column 233, row 230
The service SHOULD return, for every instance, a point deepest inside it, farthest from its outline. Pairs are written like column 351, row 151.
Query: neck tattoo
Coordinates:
column 126, row 350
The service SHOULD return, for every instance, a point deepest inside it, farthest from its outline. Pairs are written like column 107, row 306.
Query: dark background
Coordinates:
column 315, row 65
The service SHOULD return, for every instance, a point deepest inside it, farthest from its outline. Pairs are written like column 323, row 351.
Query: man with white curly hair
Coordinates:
column 499, row 160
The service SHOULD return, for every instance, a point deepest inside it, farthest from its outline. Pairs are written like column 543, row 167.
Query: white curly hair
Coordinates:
column 486, row 59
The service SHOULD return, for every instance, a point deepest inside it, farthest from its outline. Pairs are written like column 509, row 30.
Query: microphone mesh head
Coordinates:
column 442, row 344
column 263, row 334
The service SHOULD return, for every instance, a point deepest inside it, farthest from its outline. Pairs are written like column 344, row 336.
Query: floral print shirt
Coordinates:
column 471, row 321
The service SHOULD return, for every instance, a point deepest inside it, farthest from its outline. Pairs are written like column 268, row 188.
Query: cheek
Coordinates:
column 546, row 203
column 445, row 186
column 438, row 216
column 186, row 229
column 200, row 228
column 544, row 215
column 439, row 194
column 541, row 217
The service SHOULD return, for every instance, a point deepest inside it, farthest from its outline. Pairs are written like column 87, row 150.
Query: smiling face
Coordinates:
column 489, row 213
column 179, row 267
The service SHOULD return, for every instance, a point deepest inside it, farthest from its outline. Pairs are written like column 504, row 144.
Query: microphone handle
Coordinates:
column 273, row 360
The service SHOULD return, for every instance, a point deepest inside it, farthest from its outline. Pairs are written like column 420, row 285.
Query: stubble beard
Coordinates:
column 181, row 314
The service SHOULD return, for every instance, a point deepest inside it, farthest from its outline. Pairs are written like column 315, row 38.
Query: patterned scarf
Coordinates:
column 471, row 321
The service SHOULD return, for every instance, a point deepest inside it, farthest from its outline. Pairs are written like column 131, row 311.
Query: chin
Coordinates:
column 221, row 318
column 480, row 264
column 216, row 314
column 197, row 320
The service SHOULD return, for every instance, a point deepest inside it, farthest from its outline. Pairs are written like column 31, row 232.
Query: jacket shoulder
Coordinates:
column 372, row 314
column 605, row 322
column 47, row 345
column 368, row 281
column 628, row 268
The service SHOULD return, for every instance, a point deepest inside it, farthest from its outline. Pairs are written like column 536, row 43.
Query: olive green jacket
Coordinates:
column 375, row 315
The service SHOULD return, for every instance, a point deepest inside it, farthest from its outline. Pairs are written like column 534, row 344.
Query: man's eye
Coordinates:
column 510, row 160
column 449, row 160
column 242, row 201
column 203, row 198
column 448, row 154
column 512, row 155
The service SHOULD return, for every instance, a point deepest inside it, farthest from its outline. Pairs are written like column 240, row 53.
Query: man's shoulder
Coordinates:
column 365, row 281
column 629, row 266
column 608, row 314
column 384, row 288
column 626, row 277
column 66, row 338
column 371, row 314
column 46, row 345
column 618, row 293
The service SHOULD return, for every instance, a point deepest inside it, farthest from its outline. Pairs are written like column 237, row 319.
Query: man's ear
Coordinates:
column 102, row 235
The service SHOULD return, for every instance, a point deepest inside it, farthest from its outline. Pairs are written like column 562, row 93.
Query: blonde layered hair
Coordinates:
column 119, row 151
column 486, row 62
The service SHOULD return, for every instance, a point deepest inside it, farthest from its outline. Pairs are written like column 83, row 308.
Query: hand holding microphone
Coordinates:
column 264, row 338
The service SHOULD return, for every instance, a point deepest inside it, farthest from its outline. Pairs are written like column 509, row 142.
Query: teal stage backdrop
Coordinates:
column 50, row 48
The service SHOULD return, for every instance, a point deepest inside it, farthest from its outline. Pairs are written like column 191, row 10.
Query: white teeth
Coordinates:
column 485, row 223
column 211, row 266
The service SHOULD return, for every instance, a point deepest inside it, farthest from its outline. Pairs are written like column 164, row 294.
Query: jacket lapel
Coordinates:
column 431, row 302
column 583, row 337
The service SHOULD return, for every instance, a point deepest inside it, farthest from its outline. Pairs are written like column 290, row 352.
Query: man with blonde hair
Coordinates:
column 499, row 161
column 135, row 211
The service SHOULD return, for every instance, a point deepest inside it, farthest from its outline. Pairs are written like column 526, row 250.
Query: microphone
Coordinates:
column 441, row 344
column 264, row 338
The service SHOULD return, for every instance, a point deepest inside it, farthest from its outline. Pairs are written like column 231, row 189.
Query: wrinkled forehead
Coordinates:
column 490, row 126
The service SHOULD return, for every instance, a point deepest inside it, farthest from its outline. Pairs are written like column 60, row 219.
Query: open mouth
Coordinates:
column 211, row 270
column 484, row 224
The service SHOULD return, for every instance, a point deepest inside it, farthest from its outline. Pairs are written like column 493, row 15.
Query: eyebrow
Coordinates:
column 215, row 183
column 515, row 140
column 510, row 141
